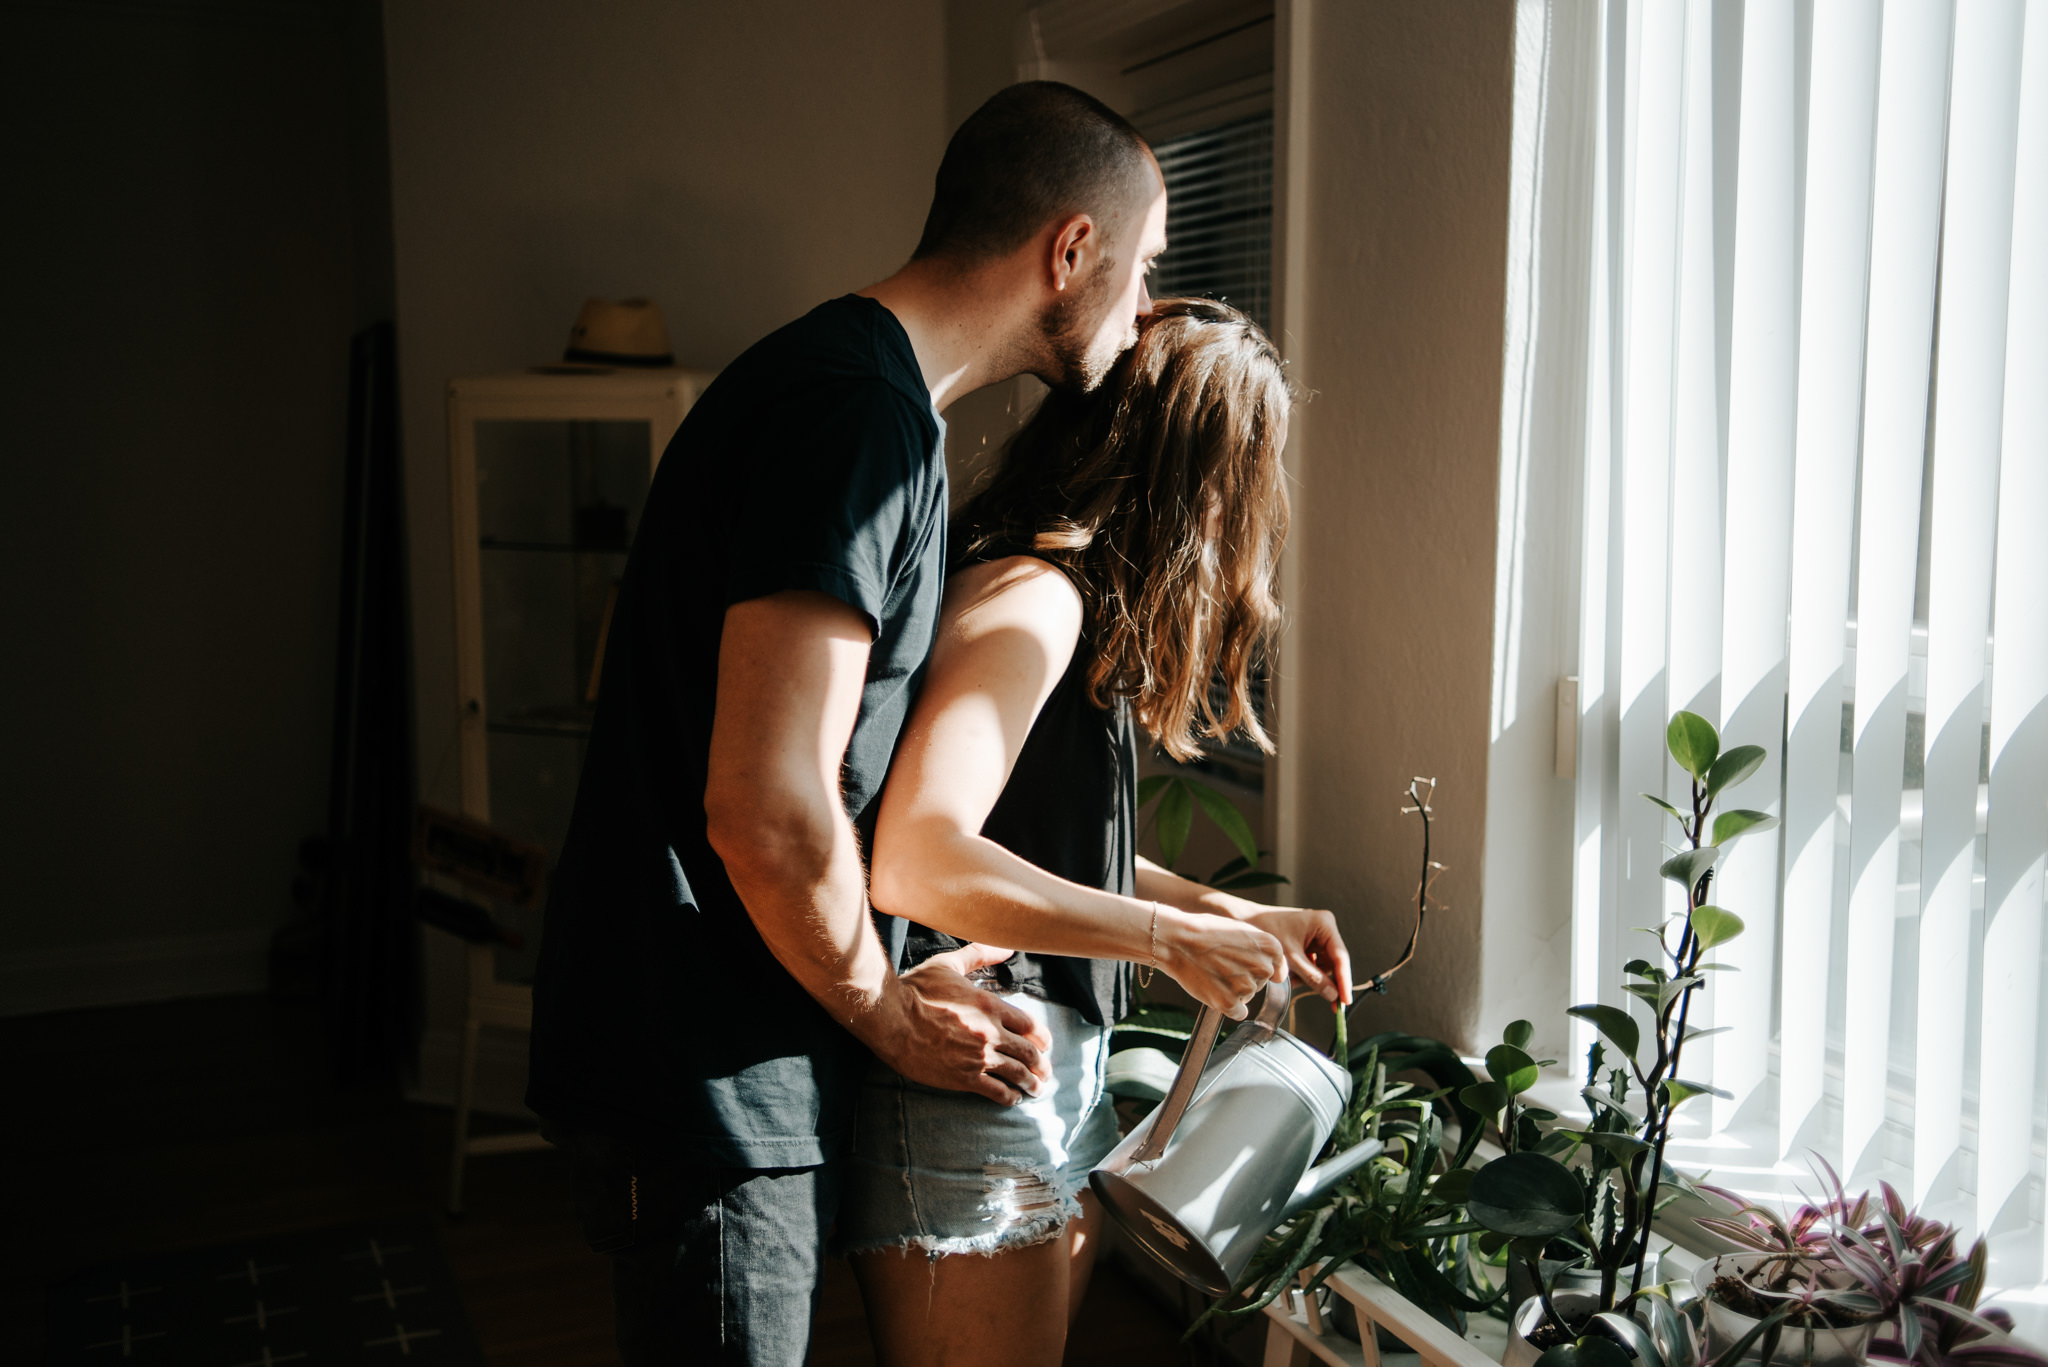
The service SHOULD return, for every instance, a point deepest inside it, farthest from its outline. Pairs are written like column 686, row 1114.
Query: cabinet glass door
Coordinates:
column 557, row 504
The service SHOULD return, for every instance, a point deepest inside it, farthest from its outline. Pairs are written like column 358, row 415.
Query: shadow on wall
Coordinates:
column 195, row 240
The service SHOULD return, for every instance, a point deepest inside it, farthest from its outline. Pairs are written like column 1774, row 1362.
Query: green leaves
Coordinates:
column 1173, row 819
column 1667, row 807
column 1518, row 1033
column 1511, row 1068
column 1590, row 1351
column 1685, row 867
column 1526, row 1196
column 1487, row 1098
column 1453, row 1187
column 1693, row 743
column 1224, row 813
column 1738, row 821
column 1733, row 767
column 1715, row 926
column 1613, row 1022
column 1621, row 1147
column 1678, row 1091
column 1240, row 874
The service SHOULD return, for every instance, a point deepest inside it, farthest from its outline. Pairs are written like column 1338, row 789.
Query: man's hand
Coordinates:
column 937, row 1027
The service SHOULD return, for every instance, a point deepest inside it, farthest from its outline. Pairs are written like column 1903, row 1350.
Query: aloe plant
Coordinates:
column 1597, row 1188
column 1401, row 1216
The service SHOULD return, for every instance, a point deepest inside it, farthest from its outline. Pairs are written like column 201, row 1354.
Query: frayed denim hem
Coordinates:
column 1021, row 1203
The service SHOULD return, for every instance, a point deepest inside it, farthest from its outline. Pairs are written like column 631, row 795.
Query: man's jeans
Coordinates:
column 709, row 1265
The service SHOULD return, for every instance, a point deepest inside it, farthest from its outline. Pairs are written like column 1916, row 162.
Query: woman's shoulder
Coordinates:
column 1017, row 582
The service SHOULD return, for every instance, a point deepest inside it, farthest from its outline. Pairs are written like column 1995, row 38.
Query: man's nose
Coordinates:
column 1144, row 299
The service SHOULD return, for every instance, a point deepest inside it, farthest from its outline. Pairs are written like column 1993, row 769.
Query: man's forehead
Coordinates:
column 1155, row 227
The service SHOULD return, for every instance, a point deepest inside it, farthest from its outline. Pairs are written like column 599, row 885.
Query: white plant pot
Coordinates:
column 1522, row 1353
column 1726, row 1326
column 1559, row 1278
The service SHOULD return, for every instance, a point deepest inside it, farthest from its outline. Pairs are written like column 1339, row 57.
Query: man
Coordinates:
column 712, row 978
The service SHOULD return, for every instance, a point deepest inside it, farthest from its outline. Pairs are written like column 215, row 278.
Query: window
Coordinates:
column 1219, row 216
column 1800, row 321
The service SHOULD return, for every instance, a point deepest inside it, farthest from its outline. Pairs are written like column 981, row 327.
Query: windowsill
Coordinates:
column 1743, row 1159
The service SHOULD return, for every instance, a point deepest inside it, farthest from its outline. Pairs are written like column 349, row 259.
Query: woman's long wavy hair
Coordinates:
column 1162, row 497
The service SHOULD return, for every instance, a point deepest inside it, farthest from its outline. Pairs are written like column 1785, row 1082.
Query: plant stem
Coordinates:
column 1670, row 1047
column 1661, row 1111
column 1543, row 1292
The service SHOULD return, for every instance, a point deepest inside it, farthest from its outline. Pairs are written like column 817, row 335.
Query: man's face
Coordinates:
column 1096, row 321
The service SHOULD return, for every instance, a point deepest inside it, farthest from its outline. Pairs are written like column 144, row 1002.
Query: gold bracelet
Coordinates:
column 1152, row 951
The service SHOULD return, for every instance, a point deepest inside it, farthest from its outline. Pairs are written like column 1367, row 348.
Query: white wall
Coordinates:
column 1393, row 236
column 739, row 163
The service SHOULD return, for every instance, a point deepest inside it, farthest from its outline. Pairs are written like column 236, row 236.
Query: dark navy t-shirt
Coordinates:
column 661, row 1020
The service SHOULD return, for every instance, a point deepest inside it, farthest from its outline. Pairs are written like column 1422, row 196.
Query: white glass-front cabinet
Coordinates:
column 549, row 471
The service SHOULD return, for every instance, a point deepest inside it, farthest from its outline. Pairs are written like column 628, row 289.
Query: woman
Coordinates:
column 1122, row 558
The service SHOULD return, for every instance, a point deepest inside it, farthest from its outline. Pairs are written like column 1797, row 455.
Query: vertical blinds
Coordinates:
column 1219, row 216
column 1817, row 470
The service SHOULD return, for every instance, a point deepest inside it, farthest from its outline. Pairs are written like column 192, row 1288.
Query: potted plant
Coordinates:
column 1886, row 1268
column 1804, row 1303
column 1594, row 1191
column 1401, row 1217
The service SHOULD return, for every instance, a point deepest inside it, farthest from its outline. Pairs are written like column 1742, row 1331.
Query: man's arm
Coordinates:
column 790, row 672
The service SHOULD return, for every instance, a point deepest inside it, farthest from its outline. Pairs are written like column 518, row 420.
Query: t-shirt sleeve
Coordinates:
column 835, row 493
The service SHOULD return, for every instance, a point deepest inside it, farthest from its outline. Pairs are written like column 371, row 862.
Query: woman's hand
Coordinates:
column 1220, row 960
column 1315, row 951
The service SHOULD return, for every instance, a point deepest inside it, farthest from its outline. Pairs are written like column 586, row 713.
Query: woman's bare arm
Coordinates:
column 1006, row 635
column 1315, row 951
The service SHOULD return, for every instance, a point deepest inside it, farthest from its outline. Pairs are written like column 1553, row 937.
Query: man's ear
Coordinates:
column 1073, row 242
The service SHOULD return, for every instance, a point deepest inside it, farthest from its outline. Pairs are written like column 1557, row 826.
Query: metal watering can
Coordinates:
column 1225, row 1158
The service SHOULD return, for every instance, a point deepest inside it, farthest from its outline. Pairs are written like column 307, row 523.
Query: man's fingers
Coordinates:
column 1013, row 1075
column 1028, row 1056
column 994, row 1088
column 1018, row 1022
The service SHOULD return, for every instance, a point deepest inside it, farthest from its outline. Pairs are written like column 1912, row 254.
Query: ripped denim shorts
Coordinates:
column 951, row 1172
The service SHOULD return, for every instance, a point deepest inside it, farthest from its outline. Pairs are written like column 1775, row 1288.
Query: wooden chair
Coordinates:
column 496, row 866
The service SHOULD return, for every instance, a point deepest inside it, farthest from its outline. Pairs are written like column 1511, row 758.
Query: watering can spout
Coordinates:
column 1317, row 1181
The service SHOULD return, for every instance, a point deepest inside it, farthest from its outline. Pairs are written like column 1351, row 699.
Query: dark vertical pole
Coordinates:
column 371, row 965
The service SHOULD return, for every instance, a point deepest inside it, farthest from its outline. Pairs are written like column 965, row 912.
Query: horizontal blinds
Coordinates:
column 1219, row 216
column 1784, row 532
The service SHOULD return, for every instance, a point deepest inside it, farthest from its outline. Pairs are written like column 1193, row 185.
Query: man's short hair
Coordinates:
column 1035, row 152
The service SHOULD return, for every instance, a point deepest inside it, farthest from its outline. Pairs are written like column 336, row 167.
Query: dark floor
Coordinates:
column 136, row 1130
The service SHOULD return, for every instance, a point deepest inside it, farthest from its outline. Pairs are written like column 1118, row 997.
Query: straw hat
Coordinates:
column 619, row 332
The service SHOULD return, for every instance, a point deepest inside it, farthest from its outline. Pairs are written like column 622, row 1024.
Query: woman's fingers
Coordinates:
column 1315, row 949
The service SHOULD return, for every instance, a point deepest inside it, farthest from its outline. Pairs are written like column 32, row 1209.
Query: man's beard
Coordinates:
column 1069, row 325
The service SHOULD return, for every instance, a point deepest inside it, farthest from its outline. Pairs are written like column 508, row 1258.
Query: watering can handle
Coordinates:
column 1200, row 1043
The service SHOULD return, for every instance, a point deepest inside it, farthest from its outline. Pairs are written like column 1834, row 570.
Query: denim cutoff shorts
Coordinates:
column 952, row 1172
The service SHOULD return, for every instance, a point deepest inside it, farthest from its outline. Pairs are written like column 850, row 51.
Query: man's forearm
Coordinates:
column 807, row 897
